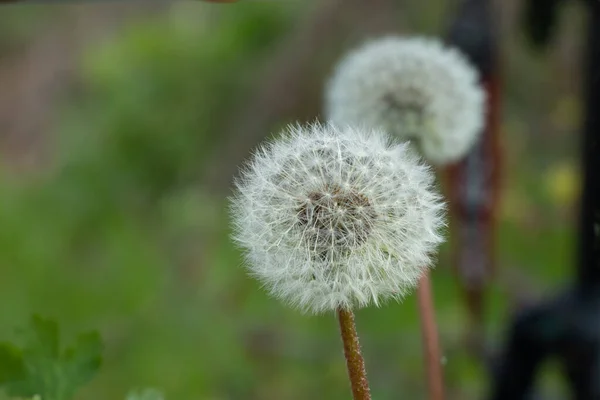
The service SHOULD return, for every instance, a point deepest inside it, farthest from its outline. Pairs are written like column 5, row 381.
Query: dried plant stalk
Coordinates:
column 354, row 358
column 431, row 346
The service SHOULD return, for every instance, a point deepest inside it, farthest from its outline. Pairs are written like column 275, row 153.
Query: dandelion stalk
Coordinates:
column 431, row 346
column 354, row 358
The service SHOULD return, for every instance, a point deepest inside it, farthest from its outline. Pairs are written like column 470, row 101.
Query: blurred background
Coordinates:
column 121, row 127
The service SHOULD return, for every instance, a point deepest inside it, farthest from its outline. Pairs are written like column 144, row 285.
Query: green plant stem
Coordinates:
column 354, row 358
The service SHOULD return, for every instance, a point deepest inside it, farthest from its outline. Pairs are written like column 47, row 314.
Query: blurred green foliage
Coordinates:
column 160, row 97
column 41, row 368
column 146, row 394
column 120, row 236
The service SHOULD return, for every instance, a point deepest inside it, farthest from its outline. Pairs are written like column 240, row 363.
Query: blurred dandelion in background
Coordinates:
column 415, row 88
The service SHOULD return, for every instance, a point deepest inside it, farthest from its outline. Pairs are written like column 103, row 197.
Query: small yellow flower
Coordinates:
column 562, row 183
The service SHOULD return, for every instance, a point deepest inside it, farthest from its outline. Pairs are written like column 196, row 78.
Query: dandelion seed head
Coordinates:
column 414, row 88
column 334, row 217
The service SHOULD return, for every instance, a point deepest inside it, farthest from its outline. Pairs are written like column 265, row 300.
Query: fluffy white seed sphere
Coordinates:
column 336, row 217
column 414, row 88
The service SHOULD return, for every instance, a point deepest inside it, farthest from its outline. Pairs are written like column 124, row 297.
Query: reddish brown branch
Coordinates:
column 354, row 359
column 431, row 346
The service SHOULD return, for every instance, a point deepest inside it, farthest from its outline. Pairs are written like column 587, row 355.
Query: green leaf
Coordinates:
column 21, row 389
column 45, row 336
column 12, row 366
column 83, row 360
column 39, row 367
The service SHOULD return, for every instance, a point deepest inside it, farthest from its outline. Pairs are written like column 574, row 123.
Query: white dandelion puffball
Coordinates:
column 337, row 217
column 414, row 88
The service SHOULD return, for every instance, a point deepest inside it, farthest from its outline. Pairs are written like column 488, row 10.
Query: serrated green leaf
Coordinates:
column 44, row 371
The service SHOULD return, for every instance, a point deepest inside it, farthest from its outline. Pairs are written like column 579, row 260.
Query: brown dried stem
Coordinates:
column 354, row 358
column 431, row 346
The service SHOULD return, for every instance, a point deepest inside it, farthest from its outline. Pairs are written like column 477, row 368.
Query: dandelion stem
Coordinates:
column 431, row 346
column 354, row 358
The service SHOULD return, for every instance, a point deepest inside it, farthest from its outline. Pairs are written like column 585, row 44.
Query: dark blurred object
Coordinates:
column 474, row 31
column 567, row 327
column 540, row 20
column 589, row 263
column 474, row 181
